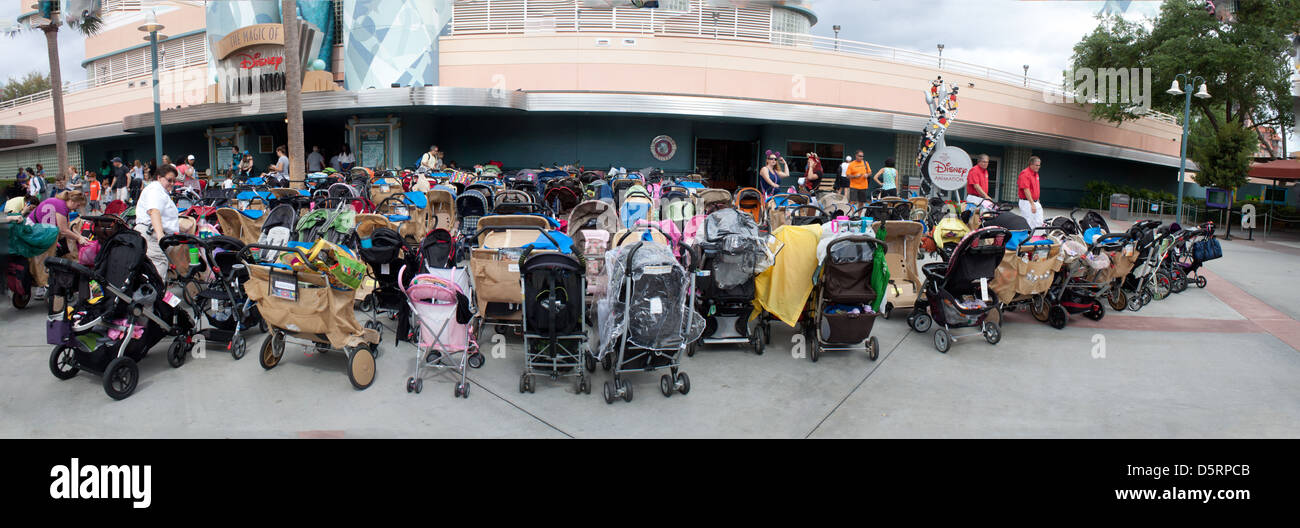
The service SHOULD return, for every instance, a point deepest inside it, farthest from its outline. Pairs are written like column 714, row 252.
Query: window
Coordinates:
column 1275, row 194
column 831, row 154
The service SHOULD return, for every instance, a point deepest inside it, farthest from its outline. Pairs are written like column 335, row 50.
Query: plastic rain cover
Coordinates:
column 742, row 252
column 653, row 312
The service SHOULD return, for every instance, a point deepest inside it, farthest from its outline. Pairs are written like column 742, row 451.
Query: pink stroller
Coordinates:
column 443, row 315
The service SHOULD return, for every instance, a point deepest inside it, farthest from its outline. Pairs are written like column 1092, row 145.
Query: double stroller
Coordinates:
column 109, row 334
column 731, row 254
column 646, row 321
column 846, row 295
column 956, row 293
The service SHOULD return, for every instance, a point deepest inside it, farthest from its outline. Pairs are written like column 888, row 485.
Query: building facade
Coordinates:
column 541, row 82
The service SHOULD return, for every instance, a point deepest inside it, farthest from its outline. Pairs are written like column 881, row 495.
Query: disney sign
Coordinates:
column 256, row 60
column 948, row 168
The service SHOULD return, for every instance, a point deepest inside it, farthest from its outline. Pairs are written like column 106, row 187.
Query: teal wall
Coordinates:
column 1064, row 175
column 875, row 145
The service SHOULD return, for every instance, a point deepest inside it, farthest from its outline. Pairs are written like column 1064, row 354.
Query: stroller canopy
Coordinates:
column 650, row 308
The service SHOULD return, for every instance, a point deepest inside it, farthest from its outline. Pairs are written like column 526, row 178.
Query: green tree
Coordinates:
column 32, row 83
column 1245, row 62
column 1224, row 155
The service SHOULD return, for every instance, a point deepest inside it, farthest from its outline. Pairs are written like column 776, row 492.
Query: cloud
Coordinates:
column 26, row 51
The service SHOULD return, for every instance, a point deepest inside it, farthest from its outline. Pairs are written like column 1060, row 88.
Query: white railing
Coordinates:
column 137, row 75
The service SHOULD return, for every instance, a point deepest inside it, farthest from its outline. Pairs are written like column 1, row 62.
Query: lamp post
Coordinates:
column 940, row 46
column 836, row 27
column 1174, row 89
column 152, row 27
column 1026, row 67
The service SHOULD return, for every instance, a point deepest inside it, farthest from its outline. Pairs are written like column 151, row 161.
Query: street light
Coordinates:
column 1174, row 89
column 1026, row 67
column 836, row 27
column 152, row 27
column 940, row 46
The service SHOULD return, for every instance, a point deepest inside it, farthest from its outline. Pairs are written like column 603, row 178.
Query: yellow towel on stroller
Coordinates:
column 782, row 290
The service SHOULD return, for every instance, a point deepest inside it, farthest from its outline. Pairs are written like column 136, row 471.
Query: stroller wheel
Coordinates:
column 590, row 361
column 1118, row 299
column 873, row 348
column 758, row 340
column 523, row 383
column 238, row 346
column 942, row 341
column 1134, row 302
column 607, row 362
column 377, row 327
column 410, row 385
column 921, row 322
column 684, row 382
column 1200, row 282
column 1040, row 310
column 432, row 357
column 608, row 392
column 419, row 385
column 261, row 325
column 176, row 352
column 20, row 300
column 361, row 368
column 992, row 333
column 690, row 350
column 627, row 390
column 1096, row 312
column 269, row 357
column 584, row 386
column 814, row 348
column 121, row 377
column 1058, row 317
column 889, row 307
column 666, row 385
column 1148, row 296
column 476, row 360
column 63, row 362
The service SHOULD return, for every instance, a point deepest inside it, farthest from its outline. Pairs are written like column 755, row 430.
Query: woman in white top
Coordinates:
column 157, row 216
column 346, row 160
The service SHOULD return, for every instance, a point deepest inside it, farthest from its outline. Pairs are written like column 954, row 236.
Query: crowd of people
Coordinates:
column 855, row 179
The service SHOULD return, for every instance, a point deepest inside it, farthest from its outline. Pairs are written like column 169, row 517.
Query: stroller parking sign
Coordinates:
column 663, row 148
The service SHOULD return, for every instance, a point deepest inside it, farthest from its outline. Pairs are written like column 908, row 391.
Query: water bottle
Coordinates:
column 194, row 256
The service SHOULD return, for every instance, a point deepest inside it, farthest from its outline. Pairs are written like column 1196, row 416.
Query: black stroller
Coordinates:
column 108, row 334
column 730, row 256
column 842, row 314
column 221, row 299
column 647, row 320
column 553, row 314
column 956, row 293
column 386, row 254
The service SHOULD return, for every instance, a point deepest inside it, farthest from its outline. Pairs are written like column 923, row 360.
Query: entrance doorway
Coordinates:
column 727, row 164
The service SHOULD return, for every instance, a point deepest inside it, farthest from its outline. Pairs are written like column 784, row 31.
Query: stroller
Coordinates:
column 731, row 255
column 635, row 205
column 902, row 249
column 221, row 300
column 1193, row 249
column 553, row 313
column 443, row 317
column 591, row 226
column 437, row 251
column 494, row 266
column 844, row 303
column 675, row 205
column 334, row 224
column 1148, row 281
column 750, row 200
column 1027, row 272
column 108, row 334
column 709, row 200
column 385, row 253
column 410, row 211
column 1090, row 273
column 646, row 321
column 563, row 194
column 277, row 229
column 951, row 288
column 781, row 206
column 306, row 301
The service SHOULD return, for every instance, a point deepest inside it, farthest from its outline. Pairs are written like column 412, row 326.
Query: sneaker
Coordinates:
column 38, row 293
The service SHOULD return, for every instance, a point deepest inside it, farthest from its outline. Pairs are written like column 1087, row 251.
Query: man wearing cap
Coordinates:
column 121, row 179
column 842, row 182
column 185, row 174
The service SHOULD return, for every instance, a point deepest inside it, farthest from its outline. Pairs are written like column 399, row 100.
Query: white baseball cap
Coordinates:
column 191, row 156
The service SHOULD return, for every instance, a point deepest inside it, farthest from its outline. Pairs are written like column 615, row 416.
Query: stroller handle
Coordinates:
column 247, row 252
column 490, row 229
column 62, row 263
column 180, row 239
column 637, row 227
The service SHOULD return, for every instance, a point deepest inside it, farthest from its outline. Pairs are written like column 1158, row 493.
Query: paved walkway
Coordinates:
column 1215, row 362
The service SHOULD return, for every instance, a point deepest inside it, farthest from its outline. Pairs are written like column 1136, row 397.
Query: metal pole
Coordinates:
column 157, row 110
column 1182, row 158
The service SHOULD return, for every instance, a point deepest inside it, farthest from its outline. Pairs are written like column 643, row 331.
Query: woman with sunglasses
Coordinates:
column 769, row 177
column 157, row 216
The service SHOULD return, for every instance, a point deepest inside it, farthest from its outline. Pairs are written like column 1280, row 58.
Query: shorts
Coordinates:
column 859, row 195
column 889, row 192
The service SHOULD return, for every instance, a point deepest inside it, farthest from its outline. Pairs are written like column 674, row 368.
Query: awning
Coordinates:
column 1280, row 170
column 16, row 135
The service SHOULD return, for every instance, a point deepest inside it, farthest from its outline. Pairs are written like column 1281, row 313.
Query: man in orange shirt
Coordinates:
column 858, row 179
column 93, row 195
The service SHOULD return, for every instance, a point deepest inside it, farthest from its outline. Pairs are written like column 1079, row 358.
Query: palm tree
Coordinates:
column 88, row 25
column 293, row 92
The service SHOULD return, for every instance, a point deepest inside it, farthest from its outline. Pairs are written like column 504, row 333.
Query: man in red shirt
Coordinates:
column 1028, row 191
column 977, row 183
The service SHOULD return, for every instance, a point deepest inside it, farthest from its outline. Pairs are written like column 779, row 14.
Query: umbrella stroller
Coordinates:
column 956, row 293
column 109, row 334
column 646, row 322
column 731, row 254
column 444, row 340
column 555, row 342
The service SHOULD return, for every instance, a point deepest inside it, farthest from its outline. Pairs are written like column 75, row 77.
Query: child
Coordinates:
column 93, row 195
